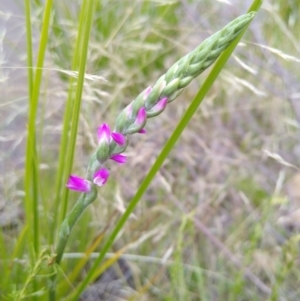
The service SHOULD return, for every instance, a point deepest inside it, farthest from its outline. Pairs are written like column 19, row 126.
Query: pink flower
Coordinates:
column 147, row 92
column 118, row 138
column 158, row 107
column 101, row 176
column 161, row 104
column 104, row 134
column 121, row 159
column 128, row 110
column 139, row 122
column 78, row 184
column 141, row 117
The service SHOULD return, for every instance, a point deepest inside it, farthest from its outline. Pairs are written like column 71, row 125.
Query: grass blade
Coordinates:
column 73, row 112
column 73, row 108
column 62, row 171
column 31, row 165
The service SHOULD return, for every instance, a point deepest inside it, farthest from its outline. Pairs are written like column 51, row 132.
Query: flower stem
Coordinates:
column 84, row 200
column 69, row 222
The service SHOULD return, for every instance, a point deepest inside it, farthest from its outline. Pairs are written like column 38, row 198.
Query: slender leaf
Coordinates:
column 31, row 165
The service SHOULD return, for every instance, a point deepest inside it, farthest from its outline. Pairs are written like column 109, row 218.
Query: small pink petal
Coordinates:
column 103, row 133
column 141, row 117
column 101, row 176
column 118, row 138
column 147, row 92
column 128, row 110
column 142, row 131
column 160, row 106
column 121, row 159
column 78, row 184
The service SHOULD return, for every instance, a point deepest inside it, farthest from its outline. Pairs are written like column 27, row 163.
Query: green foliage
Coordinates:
column 131, row 45
column 256, row 194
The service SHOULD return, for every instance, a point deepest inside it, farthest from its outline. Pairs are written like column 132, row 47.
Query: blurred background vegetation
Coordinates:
column 221, row 221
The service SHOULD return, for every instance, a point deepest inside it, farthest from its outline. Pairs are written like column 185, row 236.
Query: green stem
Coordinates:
column 162, row 156
column 84, row 200
column 65, row 230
